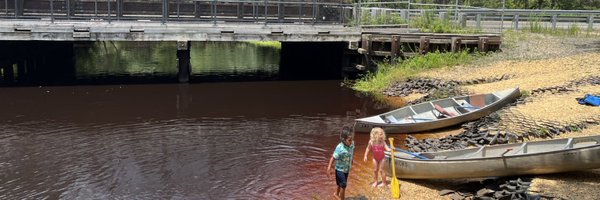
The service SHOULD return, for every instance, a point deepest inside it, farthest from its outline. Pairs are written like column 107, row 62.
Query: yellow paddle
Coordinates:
column 395, row 182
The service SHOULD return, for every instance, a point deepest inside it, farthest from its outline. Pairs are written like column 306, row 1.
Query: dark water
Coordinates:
column 242, row 140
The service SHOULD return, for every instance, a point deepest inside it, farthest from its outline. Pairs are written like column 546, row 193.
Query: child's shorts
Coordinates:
column 341, row 179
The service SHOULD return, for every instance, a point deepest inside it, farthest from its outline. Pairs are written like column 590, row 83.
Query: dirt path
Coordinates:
column 533, row 62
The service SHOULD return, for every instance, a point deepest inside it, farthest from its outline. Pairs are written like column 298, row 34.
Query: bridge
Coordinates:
column 186, row 21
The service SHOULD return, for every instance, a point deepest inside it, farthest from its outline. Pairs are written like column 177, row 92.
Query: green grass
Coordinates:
column 271, row 44
column 430, row 23
column 389, row 73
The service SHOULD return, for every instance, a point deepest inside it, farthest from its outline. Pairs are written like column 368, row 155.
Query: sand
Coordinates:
column 533, row 61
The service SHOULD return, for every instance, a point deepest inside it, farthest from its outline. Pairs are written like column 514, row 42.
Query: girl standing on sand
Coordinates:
column 378, row 147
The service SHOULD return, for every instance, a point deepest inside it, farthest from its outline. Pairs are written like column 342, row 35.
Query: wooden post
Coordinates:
column 483, row 44
column 395, row 51
column 424, row 45
column 456, row 44
column 366, row 43
column 365, row 50
column 183, row 58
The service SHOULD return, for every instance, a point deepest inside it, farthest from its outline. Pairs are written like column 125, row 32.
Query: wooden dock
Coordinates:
column 377, row 46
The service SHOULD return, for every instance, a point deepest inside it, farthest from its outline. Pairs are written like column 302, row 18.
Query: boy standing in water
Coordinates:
column 342, row 155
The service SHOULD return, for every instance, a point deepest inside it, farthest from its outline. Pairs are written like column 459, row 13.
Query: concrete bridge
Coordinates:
column 185, row 21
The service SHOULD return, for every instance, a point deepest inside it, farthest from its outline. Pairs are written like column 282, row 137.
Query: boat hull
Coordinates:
column 528, row 164
column 366, row 126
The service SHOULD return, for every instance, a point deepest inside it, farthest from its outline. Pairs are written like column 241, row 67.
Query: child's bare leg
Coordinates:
column 376, row 172
column 342, row 194
column 337, row 192
column 381, row 169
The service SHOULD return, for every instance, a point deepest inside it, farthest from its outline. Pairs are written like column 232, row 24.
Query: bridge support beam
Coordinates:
column 183, row 61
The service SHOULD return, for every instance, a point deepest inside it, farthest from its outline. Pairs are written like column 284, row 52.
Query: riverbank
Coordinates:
column 534, row 62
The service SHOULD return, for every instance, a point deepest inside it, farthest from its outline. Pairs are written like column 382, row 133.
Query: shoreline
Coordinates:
column 533, row 61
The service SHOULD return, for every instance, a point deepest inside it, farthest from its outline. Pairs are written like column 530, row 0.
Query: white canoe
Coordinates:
column 438, row 113
column 540, row 157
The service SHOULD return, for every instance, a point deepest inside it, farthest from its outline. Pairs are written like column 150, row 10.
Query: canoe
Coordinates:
column 438, row 113
column 528, row 158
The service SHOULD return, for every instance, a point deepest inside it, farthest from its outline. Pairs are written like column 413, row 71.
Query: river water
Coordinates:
column 209, row 139
column 242, row 140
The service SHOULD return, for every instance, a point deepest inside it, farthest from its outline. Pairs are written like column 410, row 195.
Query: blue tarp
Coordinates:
column 590, row 100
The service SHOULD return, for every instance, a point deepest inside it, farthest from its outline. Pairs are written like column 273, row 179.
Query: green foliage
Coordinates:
column 389, row 72
column 525, row 93
column 270, row 44
column 534, row 4
column 368, row 19
column 430, row 23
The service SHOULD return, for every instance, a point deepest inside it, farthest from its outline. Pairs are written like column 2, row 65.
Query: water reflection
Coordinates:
column 210, row 60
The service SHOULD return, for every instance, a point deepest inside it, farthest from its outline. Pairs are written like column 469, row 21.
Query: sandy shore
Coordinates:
column 533, row 61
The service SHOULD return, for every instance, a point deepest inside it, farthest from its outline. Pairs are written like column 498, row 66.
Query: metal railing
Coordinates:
column 482, row 18
column 259, row 11
column 292, row 11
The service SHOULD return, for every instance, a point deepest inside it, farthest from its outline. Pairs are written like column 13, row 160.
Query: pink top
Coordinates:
column 378, row 152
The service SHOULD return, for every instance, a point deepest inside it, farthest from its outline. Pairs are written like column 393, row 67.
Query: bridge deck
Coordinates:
column 45, row 30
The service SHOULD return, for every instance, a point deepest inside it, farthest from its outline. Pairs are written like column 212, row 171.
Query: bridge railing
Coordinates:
column 259, row 11
column 480, row 18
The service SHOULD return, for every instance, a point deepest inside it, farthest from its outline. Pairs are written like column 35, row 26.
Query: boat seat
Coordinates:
column 464, row 106
column 477, row 100
column 444, row 111
column 523, row 148
column 569, row 144
column 391, row 119
column 480, row 153
column 424, row 117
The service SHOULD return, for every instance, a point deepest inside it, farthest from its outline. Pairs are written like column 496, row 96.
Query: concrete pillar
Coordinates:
column 183, row 61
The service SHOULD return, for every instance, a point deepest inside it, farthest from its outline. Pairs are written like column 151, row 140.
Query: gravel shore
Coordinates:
column 533, row 61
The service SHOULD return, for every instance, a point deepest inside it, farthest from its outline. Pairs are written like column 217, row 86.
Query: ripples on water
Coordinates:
column 204, row 141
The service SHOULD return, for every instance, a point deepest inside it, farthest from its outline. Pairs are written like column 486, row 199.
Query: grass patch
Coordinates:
column 270, row 44
column 389, row 73
column 535, row 26
column 430, row 23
